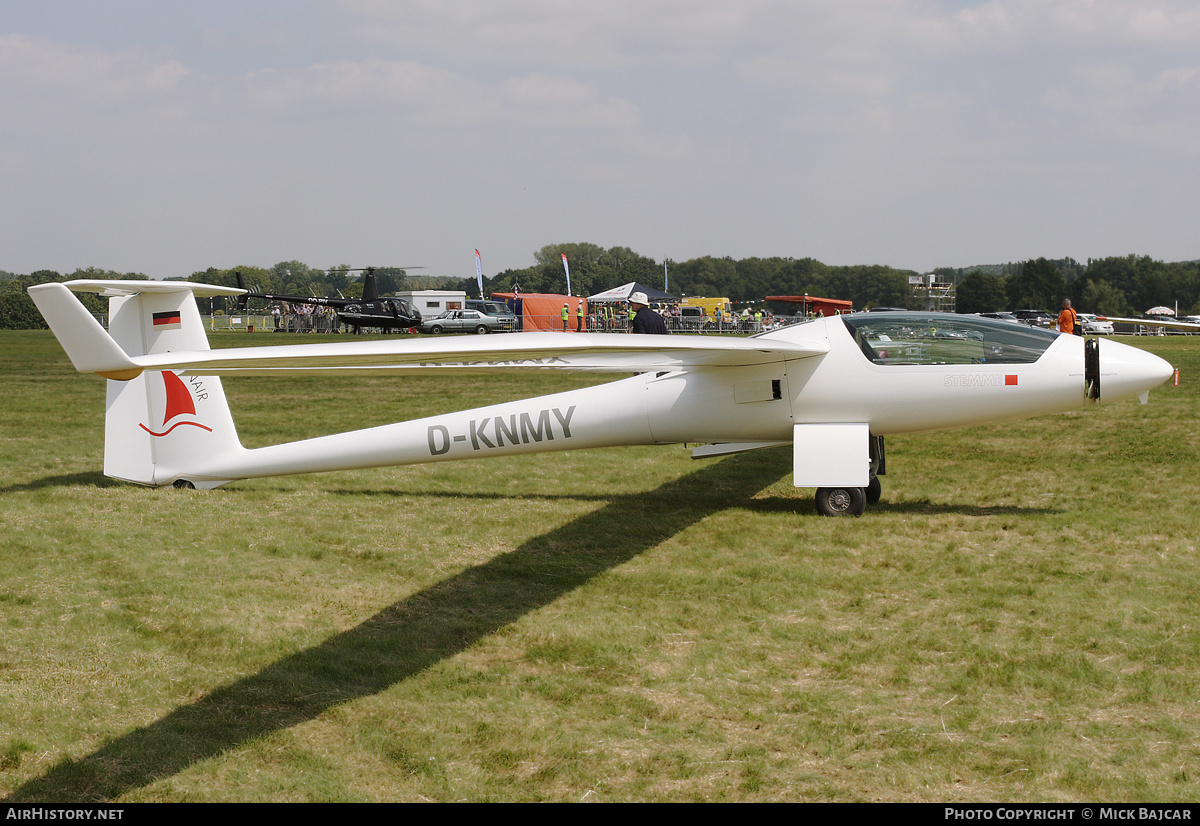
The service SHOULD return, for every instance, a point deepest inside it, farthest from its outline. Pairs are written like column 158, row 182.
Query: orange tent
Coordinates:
column 543, row 311
column 820, row 306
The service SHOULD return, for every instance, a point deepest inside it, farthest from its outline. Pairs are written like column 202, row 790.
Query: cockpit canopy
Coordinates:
column 945, row 338
column 400, row 306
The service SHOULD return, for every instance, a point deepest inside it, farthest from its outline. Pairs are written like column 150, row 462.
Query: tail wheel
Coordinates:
column 841, row 501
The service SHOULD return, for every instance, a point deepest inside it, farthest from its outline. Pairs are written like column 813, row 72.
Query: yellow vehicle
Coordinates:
column 708, row 307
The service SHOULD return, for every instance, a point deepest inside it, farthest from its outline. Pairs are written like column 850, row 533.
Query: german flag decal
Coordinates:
column 166, row 321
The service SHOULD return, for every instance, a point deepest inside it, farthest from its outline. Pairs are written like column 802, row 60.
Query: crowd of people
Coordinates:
column 621, row 317
column 305, row 318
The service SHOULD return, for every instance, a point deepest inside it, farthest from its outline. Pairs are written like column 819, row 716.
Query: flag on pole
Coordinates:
column 479, row 273
column 567, row 270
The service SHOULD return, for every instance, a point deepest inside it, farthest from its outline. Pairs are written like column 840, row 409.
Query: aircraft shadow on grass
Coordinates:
column 927, row 508
column 774, row 504
column 91, row 479
column 411, row 635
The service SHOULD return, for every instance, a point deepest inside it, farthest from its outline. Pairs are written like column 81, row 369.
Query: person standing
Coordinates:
column 579, row 317
column 566, row 313
column 1067, row 319
column 645, row 320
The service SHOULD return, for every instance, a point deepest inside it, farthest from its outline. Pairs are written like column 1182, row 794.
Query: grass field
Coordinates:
column 1017, row 620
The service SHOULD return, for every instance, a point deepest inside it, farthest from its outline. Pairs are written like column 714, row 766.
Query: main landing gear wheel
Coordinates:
column 841, row 501
column 182, row 484
column 874, row 491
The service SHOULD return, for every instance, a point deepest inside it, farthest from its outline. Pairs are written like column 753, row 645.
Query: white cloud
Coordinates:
column 874, row 130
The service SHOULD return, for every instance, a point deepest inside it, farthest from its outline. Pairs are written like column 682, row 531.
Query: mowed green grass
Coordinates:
column 1017, row 620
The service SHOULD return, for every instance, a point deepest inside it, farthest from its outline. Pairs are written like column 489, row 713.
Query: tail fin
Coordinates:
column 157, row 424
column 370, row 287
column 241, row 282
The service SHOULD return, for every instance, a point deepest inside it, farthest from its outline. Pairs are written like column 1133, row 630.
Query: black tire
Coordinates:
column 841, row 501
column 481, row 330
column 436, row 329
column 874, row 491
column 182, row 484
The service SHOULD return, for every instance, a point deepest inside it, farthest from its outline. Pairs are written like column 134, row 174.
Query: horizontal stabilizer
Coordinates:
column 89, row 347
column 111, row 289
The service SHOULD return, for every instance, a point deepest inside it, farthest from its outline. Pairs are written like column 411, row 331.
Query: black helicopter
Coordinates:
column 368, row 311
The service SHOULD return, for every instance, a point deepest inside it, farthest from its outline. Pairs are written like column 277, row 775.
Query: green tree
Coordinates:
column 1037, row 284
column 980, row 293
column 1102, row 298
column 97, row 274
column 1138, row 277
column 1183, row 279
column 583, row 259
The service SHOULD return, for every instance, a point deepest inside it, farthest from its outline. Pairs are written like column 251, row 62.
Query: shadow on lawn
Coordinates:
column 90, row 479
column 411, row 635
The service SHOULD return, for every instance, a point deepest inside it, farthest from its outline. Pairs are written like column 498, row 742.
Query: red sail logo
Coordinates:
column 179, row 403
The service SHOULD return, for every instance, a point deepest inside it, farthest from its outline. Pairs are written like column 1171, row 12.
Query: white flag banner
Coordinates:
column 479, row 273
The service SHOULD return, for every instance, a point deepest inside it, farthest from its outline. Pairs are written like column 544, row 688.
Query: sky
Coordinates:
column 167, row 137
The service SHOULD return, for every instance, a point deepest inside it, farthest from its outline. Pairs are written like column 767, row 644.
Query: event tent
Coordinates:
column 543, row 311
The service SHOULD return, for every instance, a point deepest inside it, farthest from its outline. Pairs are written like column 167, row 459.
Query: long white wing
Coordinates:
column 1168, row 323
column 596, row 352
column 93, row 350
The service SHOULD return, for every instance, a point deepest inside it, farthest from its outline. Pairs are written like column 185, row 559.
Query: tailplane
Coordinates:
column 157, row 424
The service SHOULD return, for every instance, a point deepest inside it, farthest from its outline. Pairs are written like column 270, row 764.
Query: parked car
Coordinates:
column 463, row 321
column 1036, row 318
column 497, row 309
column 1189, row 319
column 1001, row 317
column 488, row 307
column 1091, row 325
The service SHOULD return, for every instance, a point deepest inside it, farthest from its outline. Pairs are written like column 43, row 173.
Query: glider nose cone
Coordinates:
column 1127, row 371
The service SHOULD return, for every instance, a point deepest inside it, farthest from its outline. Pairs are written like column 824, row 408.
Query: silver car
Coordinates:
column 464, row 321
column 1092, row 325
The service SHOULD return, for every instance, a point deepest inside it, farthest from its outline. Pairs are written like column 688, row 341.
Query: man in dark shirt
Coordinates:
column 645, row 320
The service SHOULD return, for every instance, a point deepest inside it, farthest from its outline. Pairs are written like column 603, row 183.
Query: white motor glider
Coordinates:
column 832, row 387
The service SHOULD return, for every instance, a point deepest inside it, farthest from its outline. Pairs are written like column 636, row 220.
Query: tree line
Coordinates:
column 1118, row 286
column 1107, row 286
